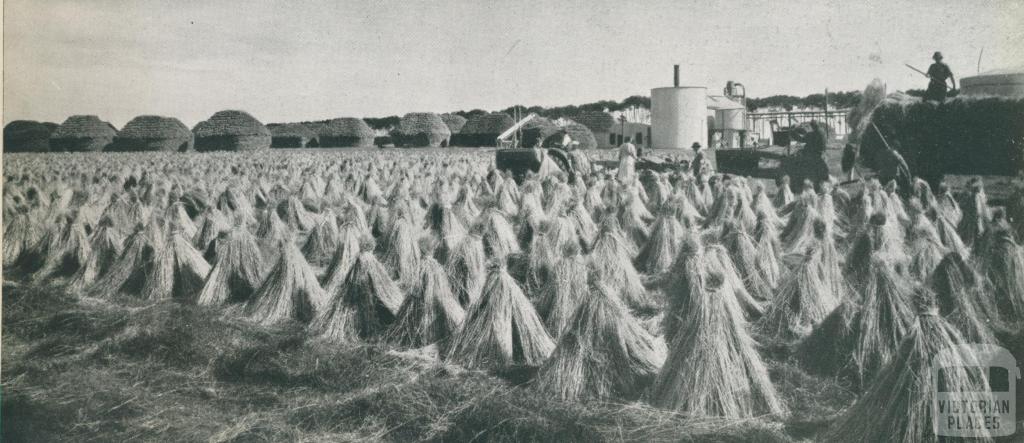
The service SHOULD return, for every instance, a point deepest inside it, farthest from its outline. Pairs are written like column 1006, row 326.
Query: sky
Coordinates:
column 311, row 60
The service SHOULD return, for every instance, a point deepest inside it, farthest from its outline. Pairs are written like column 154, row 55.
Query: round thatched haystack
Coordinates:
column 421, row 129
column 231, row 131
column 578, row 132
column 82, row 133
column 596, row 121
column 153, row 133
column 483, row 130
column 346, row 132
column 291, row 135
column 28, row 136
column 538, row 129
column 455, row 122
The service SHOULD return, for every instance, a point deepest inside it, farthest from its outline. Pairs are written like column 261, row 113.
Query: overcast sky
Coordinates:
column 305, row 60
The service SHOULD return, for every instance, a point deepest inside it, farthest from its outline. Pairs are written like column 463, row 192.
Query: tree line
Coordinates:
column 836, row 100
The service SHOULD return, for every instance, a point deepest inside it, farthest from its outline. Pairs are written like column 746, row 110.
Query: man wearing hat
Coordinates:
column 938, row 72
column 697, row 164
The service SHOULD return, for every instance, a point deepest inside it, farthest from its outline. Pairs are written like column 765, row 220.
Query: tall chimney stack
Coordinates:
column 675, row 77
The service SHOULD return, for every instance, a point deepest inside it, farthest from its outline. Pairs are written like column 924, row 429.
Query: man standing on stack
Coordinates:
column 938, row 72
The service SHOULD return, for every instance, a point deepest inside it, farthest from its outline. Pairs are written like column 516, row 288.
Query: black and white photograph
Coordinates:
column 512, row 221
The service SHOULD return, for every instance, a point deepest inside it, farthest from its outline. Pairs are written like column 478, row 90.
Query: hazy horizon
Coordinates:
column 314, row 60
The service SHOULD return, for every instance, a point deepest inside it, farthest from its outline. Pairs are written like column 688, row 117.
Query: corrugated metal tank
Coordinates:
column 999, row 83
column 679, row 117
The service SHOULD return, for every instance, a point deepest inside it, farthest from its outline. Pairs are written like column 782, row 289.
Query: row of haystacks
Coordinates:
column 667, row 290
column 964, row 135
column 224, row 131
column 238, row 131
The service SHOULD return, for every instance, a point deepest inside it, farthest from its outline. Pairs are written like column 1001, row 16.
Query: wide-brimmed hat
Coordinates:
column 937, row 56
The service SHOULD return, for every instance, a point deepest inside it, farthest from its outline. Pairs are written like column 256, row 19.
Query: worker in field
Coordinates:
column 627, row 161
column 809, row 163
column 938, row 72
column 697, row 165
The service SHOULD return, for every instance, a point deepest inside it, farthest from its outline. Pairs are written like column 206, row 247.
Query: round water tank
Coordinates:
column 679, row 117
column 730, row 118
column 999, row 83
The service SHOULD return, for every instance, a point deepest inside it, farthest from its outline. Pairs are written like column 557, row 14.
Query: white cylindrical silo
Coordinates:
column 679, row 117
column 730, row 118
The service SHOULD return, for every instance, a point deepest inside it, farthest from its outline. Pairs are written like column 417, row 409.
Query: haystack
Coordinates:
column 604, row 353
column 211, row 225
column 129, row 273
column 900, row 404
column 501, row 328
column 322, row 241
column 753, row 265
column 106, row 245
column 345, row 254
column 1003, row 266
column 713, row 367
column 802, row 300
column 366, row 306
column 466, row 269
column 237, row 272
column 962, row 299
column 292, row 135
column 289, row 292
column 454, row 122
column 431, row 313
column 581, row 136
column 82, row 133
column 611, row 259
column 271, row 231
column 28, row 136
column 348, row 132
column 401, row 253
column 153, row 133
column 498, row 236
column 178, row 271
column 231, row 131
column 483, row 130
column 563, row 291
column 537, row 130
column 657, row 255
column 294, row 214
column 863, row 336
column 20, row 235
column 421, row 129
column 64, row 250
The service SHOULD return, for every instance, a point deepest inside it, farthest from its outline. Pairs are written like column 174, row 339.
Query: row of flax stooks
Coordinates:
column 664, row 290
